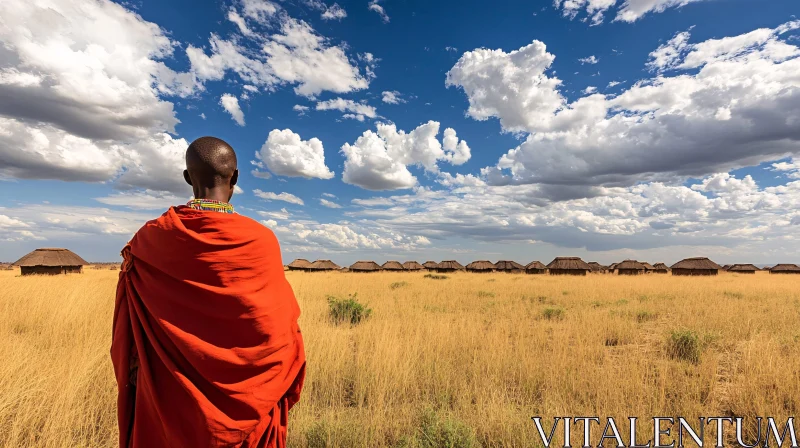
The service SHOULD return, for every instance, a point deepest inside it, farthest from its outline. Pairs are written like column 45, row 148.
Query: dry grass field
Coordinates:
column 464, row 361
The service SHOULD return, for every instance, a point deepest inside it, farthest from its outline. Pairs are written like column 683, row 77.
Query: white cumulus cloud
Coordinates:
column 285, row 197
column 379, row 160
column 231, row 105
column 286, row 154
column 712, row 119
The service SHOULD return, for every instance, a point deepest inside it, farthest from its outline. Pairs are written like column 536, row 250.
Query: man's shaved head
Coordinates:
column 211, row 169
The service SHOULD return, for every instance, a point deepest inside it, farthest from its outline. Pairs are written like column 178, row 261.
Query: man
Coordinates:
column 206, row 347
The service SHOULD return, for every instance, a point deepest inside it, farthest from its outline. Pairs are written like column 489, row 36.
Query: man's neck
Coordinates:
column 212, row 194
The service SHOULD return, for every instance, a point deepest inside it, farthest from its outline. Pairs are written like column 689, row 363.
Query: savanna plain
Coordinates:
column 463, row 360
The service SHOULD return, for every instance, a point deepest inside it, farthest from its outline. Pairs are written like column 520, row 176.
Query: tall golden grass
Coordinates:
column 465, row 360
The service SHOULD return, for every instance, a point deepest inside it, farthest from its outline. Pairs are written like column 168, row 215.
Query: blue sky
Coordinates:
column 648, row 129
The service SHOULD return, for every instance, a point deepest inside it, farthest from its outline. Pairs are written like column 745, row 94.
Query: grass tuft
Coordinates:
column 684, row 345
column 347, row 310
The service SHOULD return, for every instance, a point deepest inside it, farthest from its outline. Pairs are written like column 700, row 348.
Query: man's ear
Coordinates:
column 186, row 177
column 234, row 178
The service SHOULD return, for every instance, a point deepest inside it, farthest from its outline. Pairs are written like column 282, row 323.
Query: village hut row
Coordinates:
column 63, row 261
column 559, row 266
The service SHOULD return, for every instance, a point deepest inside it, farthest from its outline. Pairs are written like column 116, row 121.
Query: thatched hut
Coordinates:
column 695, row 266
column 365, row 266
column 323, row 265
column 535, row 267
column 430, row 265
column 726, row 267
column 301, row 264
column 596, row 267
column 508, row 266
column 630, row 267
column 568, row 266
column 480, row 266
column 392, row 266
column 743, row 269
column 412, row 266
column 648, row 268
column 449, row 266
column 51, row 261
column 785, row 269
column 660, row 268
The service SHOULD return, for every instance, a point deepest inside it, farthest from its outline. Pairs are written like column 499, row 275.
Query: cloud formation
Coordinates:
column 379, row 160
column 286, row 154
column 629, row 10
column 686, row 124
column 285, row 197
column 231, row 105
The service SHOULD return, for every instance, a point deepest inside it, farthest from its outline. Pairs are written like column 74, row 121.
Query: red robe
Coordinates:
column 206, row 347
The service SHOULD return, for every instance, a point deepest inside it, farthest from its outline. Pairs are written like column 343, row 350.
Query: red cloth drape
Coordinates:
column 206, row 347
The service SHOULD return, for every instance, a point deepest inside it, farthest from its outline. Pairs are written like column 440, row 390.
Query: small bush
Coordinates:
column 347, row 310
column 553, row 313
column 484, row 294
column 318, row 435
column 436, row 277
column 435, row 431
column 685, row 345
column 733, row 295
column 645, row 316
column 396, row 285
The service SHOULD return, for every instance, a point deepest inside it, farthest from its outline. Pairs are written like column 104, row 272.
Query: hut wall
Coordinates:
column 50, row 270
column 298, row 269
column 536, row 271
column 567, row 272
column 481, row 271
column 694, row 272
column 446, row 270
column 629, row 272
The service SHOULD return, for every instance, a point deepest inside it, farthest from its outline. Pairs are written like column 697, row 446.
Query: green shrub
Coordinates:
column 645, row 316
column 347, row 310
column 435, row 431
column 485, row 294
column 396, row 285
column 553, row 313
column 436, row 276
column 685, row 345
column 317, row 436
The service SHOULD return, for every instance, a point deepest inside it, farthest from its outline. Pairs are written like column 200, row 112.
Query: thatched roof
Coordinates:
column 412, row 266
column 570, row 264
column 300, row 263
column 595, row 266
column 393, row 266
column 648, row 266
column 743, row 268
column 535, row 265
column 365, row 266
column 613, row 266
column 51, row 257
column 726, row 267
column 430, row 264
column 507, row 265
column 660, row 267
column 698, row 263
column 324, row 265
column 450, row 264
column 480, row 265
column 785, row 268
column 631, row 265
